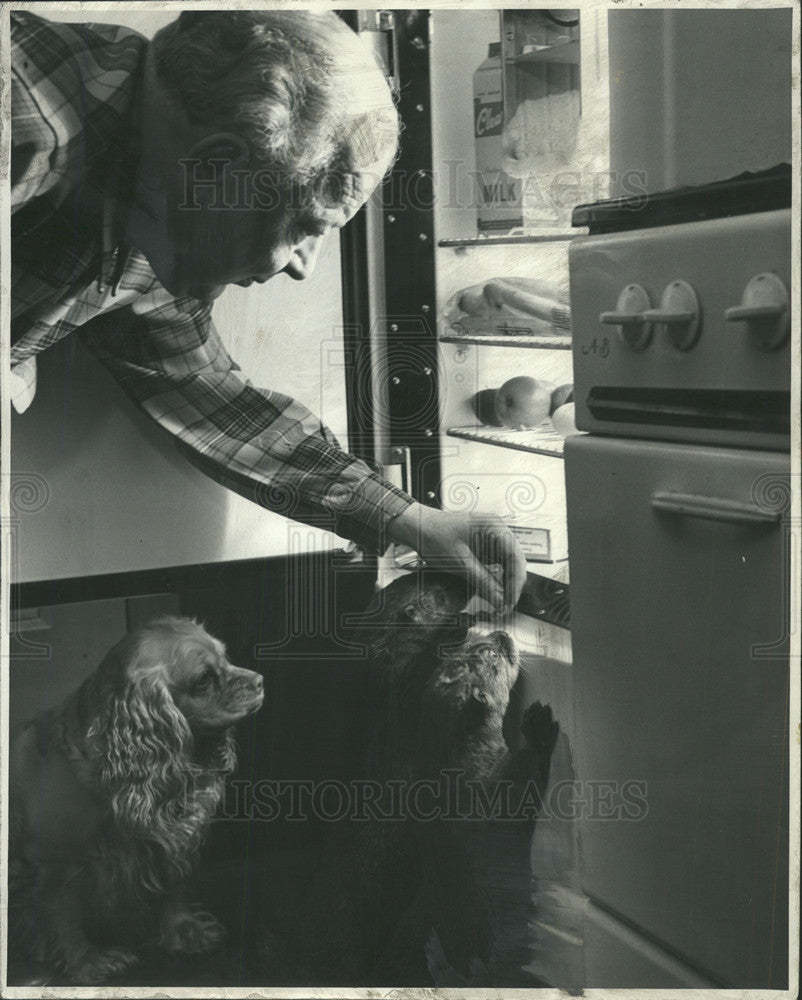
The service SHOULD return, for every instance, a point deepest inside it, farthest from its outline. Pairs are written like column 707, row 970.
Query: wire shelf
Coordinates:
column 507, row 239
column 542, row 440
column 544, row 342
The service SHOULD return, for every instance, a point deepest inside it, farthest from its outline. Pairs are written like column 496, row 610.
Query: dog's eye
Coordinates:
column 205, row 680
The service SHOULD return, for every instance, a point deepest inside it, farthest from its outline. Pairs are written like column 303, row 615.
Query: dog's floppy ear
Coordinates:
column 141, row 741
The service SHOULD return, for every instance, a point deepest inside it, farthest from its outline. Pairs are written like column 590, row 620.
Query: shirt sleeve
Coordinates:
column 34, row 133
column 72, row 90
column 262, row 444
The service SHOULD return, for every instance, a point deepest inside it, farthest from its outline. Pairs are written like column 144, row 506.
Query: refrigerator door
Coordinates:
column 119, row 497
column 679, row 605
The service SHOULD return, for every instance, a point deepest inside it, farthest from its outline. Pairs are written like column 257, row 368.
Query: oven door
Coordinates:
column 679, row 617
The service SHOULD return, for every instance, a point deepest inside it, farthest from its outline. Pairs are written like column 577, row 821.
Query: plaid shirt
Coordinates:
column 74, row 107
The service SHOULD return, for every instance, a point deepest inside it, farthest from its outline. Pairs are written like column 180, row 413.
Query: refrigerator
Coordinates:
column 588, row 105
column 467, row 216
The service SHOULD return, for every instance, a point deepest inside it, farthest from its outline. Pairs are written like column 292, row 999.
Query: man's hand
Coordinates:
column 465, row 544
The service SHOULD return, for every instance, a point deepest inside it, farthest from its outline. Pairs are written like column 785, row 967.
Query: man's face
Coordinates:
column 242, row 231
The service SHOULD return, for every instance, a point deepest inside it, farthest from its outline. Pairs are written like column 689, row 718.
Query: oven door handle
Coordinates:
column 712, row 508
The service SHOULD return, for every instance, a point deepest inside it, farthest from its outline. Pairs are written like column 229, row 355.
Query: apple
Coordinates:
column 523, row 402
column 563, row 394
column 484, row 406
column 564, row 419
column 473, row 305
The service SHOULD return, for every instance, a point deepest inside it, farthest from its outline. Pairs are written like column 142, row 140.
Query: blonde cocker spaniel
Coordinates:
column 110, row 797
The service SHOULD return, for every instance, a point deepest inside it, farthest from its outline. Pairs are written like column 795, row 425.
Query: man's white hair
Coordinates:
column 299, row 86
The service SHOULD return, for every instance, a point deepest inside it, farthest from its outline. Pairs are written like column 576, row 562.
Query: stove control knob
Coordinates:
column 765, row 308
column 628, row 316
column 679, row 313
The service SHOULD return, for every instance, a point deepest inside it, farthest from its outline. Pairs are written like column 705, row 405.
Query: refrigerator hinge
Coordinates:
column 381, row 23
column 397, row 459
column 385, row 20
column 375, row 20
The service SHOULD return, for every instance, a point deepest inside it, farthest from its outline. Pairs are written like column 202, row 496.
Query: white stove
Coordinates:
column 682, row 331
column 679, row 538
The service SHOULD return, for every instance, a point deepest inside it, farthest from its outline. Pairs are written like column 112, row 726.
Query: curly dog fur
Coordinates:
column 111, row 795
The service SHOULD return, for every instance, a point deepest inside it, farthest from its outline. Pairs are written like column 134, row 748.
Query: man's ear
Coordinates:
column 215, row 160
column 226, row 146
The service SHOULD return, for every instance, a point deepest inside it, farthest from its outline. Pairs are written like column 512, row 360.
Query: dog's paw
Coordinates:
column 539, row 729
column 192, row 932
column 98, row 964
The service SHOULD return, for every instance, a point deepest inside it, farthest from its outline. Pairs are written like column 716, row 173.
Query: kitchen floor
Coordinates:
column 250, row 889
column 246, row 895
column 243, row 894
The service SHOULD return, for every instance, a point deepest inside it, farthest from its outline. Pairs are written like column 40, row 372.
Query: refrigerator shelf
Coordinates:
column 533, row 236
column 543, row 440
column 543, row 342
column 557, row 571
column 543, row 598
column 404, row 558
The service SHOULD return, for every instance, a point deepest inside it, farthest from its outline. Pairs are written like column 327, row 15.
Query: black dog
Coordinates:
column 439, row 693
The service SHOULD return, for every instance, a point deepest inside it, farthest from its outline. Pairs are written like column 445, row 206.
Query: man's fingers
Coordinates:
column 514, row 564
column 494, row 544
column 483, row 581
column 482, row 548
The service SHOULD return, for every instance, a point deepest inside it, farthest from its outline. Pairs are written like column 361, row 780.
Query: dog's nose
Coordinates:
column 258, row 682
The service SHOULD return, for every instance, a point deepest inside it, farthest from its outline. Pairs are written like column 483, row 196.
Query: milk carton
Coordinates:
column 498, row 194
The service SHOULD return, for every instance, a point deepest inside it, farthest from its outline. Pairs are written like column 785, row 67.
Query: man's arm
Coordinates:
column 272, row 450
column 262, row 444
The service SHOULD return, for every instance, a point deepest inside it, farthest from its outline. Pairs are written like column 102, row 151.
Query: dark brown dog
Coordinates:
column 439, row 695
column 475, row 887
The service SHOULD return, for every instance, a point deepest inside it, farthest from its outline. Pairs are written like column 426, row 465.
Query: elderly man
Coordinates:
column 147, row 176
